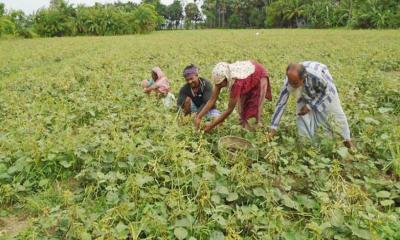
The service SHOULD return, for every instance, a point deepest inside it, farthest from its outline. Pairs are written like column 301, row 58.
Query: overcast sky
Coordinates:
column 29, row 6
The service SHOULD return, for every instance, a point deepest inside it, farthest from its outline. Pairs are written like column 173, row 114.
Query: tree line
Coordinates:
column 302, row 13
column 64, row 19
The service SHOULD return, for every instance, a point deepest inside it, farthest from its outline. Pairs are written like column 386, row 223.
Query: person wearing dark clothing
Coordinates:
column 194, row 95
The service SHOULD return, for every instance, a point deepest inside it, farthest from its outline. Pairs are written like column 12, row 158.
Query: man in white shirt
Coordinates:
column 317, row 101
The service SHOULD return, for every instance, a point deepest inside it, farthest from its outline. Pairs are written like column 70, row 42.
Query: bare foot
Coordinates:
column 349, row 144
column 246, row 125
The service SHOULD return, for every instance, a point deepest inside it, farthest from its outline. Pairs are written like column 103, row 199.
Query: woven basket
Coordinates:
column 231, row 147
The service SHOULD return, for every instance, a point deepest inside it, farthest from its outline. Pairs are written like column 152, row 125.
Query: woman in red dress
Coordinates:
column 249, row 86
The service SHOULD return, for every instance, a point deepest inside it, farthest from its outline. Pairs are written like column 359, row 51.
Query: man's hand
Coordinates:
column 208, row 127
column 197, row 122
column 304, row 110
column 271, row 134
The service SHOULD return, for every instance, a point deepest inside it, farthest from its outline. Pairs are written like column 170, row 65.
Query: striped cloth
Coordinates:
column 316, row 94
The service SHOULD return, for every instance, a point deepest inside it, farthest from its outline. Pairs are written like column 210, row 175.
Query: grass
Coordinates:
column 84, row 154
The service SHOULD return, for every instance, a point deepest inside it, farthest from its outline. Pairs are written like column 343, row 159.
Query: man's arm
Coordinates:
column 181, row 98
column 280, row 106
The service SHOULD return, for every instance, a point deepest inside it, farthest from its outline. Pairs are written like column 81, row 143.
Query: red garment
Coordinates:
column 250, row 91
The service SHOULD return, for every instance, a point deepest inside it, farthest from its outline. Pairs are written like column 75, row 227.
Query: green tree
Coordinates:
column 57, row 20
column 145, row 18
column 193, row 14
column 210, row 13
column 275, row 15
column 234, row 21
column 375, row 13
column 321, row 14
column 175, row 13
column 2, row 9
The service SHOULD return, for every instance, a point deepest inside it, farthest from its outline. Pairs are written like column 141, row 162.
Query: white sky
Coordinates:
column 29, row 6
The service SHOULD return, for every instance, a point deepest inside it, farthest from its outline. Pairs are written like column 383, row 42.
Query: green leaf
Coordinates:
column 259, row 192
column 217, row 235
column 143, row 179
column 3, row 213
column 337, row 218
column 361, row 233
column 85, row 236
column 289, row 235
column 289, row 202
column 222, row 190
column 65, row 164
column 185, row 222
column 43, row 182
column 386, row 203
column 3, row 168
column 122, row 230
column 112, row 198
column 383, row 194
column 4, row 176
column 216, row 199
column 232, row 197
column 343, row 152
column 180, row 233
column 208, row 176
column 219, row 219
column 371, row 121
column 385, row 110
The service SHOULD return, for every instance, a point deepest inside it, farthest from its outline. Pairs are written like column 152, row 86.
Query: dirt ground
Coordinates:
column 12, row 225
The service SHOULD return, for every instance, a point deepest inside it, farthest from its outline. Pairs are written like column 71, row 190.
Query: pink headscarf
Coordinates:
column 162, row 81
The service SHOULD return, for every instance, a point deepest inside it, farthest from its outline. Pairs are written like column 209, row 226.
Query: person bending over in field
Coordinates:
column 160, row 85
column 194, row 95
column 248, row 85
column 317, row 101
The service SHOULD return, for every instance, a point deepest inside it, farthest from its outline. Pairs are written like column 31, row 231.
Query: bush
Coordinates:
column 26, row 33
column 234, row 21
column 145, row 18
column 53, row 23
column 7, row 27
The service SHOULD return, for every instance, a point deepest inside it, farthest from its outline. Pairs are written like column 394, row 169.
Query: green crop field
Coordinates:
column 84, row 154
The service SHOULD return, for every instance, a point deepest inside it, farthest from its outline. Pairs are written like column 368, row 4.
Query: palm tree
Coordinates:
column 294, row 11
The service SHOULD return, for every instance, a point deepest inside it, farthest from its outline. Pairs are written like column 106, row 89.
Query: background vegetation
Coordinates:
column 302, row 13
column 84, row 154
column 64, row 19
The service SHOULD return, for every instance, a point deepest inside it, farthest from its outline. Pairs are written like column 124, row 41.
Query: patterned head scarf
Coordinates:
column 190, row 70
column 220, row 72
column 231, row 72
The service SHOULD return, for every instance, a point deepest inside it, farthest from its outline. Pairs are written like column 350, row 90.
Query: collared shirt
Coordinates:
column 316, row 93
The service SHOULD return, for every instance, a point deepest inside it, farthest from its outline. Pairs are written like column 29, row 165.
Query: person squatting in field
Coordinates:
column 317, row 101
column 248, row 85
column 159, row 84
column 194, row 95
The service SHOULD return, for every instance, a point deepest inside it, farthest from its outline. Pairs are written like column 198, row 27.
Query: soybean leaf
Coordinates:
column 180, row 233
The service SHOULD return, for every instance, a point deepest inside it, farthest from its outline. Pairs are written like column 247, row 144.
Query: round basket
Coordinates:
column 231, row 147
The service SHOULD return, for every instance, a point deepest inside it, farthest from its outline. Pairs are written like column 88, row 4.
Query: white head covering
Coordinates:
column 235, row 71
